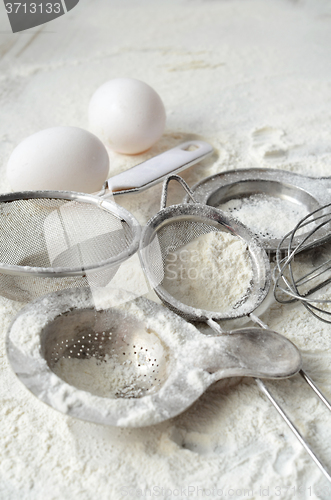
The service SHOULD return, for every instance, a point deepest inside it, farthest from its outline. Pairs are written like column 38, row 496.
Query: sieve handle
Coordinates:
column 153, row 171
column 181, row 181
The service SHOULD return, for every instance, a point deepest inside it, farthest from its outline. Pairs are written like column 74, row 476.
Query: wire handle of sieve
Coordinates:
column 216, row 327
column 164, row 194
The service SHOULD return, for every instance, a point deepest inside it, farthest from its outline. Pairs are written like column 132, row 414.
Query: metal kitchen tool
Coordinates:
column 52, row 240
column 306, row 267
column 130, row 362
column 293, row 194
column 174, row 227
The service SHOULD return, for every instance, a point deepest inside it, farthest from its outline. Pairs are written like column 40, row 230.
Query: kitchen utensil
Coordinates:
column 52, row 240
column 60, row 346
column 279, row 192
column 306, row 267
column 174, row 227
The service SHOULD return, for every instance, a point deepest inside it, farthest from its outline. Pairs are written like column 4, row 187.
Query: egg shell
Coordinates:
column 59, row 158
column 127, row 114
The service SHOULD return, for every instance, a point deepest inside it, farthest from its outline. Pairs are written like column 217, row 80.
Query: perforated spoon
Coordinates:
column 132, row 362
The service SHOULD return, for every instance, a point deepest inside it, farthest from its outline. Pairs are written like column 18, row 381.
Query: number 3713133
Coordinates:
column 33, row 8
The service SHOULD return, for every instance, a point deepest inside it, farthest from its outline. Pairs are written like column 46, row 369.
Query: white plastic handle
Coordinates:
column 153, row 171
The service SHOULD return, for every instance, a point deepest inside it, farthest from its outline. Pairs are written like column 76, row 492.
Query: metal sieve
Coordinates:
column 175, row 226
column 51, row 240
column 291, row 192
column 130, row 362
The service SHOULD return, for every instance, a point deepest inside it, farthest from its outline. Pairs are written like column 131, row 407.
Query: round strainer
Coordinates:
column 131, row 358
column 173, row 228
column 55, row 240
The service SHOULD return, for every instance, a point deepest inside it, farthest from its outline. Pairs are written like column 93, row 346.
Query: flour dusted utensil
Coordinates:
column 51, row 240
column 171, row 230
column 269, row 201
column 130, row 362
column 305, row 269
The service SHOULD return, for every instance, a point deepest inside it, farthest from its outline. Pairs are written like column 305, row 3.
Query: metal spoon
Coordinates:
column 158, row 363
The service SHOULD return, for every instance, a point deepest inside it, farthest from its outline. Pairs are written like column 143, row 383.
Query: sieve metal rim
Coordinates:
column 260, row 260
column 58, row 272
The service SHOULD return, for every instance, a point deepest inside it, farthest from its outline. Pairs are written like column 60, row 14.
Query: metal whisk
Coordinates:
column 305, row 268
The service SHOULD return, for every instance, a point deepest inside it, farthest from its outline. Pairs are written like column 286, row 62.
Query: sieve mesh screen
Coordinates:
column 58, row 234
column 173, row 236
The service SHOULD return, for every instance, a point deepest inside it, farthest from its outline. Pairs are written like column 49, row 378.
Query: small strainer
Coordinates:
column 55, row 240
column 170, row 231
column 174, row 227
column 52, row 240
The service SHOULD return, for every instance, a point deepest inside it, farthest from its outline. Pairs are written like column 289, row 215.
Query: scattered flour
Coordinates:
column 224, row 70
column 212, row 272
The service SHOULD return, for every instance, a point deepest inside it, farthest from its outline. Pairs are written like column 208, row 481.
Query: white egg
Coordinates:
column 127, row 114
column 59, row 158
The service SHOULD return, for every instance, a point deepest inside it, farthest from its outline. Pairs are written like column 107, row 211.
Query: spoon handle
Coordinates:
column 293, row 428
column 317, row 391
column 253, row 352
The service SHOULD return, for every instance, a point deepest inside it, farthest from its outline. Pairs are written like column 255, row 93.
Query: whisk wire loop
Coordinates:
column 312, row 248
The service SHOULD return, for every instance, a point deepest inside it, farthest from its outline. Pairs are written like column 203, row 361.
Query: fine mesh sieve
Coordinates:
column 120, row 360
column 52, row 240
column 170, row 230
column 173, row 228
column 55, row 240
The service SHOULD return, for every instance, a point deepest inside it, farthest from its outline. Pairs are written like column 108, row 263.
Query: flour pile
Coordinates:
column 213, row 272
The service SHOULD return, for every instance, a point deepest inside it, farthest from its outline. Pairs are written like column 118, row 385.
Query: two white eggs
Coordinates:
column 126, row 114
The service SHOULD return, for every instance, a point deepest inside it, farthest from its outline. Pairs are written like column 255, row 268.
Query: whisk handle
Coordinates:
column 154, row 170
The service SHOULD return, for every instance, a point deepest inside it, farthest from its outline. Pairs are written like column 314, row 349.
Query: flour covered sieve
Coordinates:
column 259, row 197
column 174, row 227
column 51, row 240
